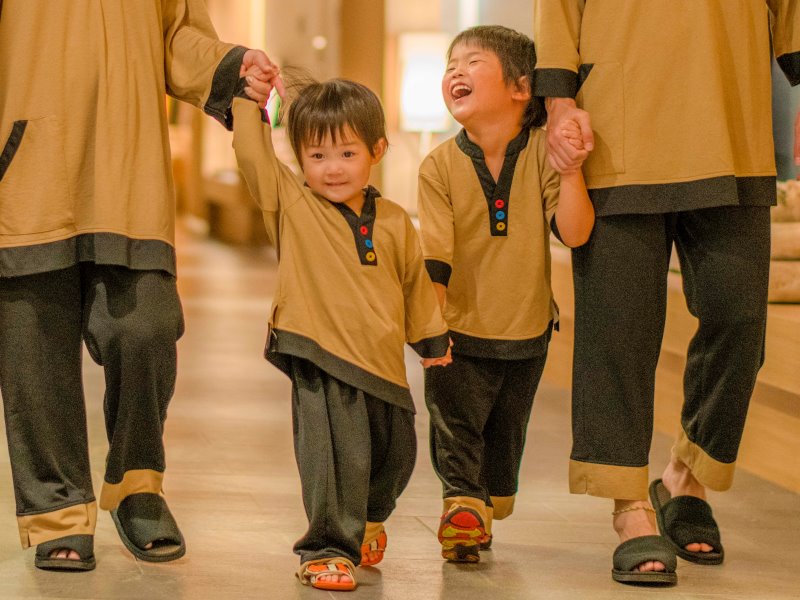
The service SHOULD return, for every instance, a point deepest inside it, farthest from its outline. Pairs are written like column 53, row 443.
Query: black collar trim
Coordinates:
column 496, row 192
column 363, row 226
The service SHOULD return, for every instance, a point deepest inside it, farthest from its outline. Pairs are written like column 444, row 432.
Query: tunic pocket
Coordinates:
column 34, row 193
column 602, row 95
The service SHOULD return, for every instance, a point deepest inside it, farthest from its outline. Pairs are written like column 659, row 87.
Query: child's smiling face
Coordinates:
column 339, row 170
column 473, row 86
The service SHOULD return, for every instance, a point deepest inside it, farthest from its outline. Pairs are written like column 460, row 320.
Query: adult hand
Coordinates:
column 563, row 155
column 262, row 75
column 797, row 142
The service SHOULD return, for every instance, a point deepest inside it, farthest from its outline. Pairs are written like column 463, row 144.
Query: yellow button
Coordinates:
column 501, row 226
column 370, row 256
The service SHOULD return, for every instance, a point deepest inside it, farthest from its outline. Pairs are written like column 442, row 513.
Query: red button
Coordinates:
column 364, row 230
column 499, row 203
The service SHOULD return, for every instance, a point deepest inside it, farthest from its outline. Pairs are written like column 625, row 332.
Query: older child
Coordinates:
column 352, row 289
column 488, row 200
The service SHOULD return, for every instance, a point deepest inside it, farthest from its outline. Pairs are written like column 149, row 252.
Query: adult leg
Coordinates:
column 40, row 379
column 724, row 255
column 132, row 321
column 620, row 280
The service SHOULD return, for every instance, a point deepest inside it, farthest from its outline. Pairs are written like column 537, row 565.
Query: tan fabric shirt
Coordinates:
column 488, row 242
column 83, row 124
column 679, row 93
column 352, row 289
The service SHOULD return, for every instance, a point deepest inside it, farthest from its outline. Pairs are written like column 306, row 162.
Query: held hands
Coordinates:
column 442, row 361
column 261, row 75
column 569, row 135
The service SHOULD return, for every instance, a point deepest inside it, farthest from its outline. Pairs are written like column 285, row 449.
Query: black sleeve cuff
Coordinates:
column 555, row 83
column 790, row 65
column 439, row 271
column 554, row 229
column 224, row 87
column 434, row 347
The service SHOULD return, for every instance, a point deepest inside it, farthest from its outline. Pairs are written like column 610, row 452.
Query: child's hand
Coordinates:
column 442, row 361
column 261, row 78
column 571, row 130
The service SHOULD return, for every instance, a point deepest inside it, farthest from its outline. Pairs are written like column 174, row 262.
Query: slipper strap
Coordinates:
column 638, row 550
column 82, row 544
column 146, row 518
column 689, row 520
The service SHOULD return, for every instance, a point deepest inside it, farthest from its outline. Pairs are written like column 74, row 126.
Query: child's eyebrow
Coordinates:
column 469, row 54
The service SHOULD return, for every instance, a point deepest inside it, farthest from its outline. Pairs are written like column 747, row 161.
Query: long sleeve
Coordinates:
column 200, row 69
column 426, row 330
column 271, row 183
column 436, row 223
column 786, row 36
column 557, row 30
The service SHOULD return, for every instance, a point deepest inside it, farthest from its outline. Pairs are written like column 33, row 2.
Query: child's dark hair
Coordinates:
column 517, row 56
column 317, row 109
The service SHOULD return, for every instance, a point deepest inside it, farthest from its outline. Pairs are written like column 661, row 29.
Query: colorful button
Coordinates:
column 370, row 257
column 499, row 203
column 500, row 215
column 364, row 230
column 368, row 244
column 500, row 226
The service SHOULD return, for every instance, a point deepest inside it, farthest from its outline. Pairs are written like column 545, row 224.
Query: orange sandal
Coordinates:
column 376, row 544
column 311, row 571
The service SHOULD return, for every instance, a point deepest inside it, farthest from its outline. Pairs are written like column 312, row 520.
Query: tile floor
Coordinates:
column 233, row 486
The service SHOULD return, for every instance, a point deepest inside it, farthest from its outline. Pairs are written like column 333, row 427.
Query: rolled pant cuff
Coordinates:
column 710, row 472
column 503, row 506
column 78, row 519
column 137, row 481
column 608, row 481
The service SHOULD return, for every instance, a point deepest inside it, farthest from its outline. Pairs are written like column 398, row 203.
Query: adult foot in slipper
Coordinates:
column 148, row 529
column 684, row 516
column 635, row 519
column 69, row 553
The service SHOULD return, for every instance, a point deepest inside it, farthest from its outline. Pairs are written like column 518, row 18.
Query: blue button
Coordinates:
column 368, row 243
column 500, row 215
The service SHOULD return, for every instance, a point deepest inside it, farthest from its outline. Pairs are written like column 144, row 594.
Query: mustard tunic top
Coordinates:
column 489, row 242
column 352, row 289
column 679, row 93
column 85, row 171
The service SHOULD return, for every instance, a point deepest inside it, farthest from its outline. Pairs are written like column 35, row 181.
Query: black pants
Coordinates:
column 620, row 305
column 355, row 454
column 130, row 321
column 479, row 410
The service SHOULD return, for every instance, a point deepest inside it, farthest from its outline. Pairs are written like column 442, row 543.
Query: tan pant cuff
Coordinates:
column 138, row 481
column 475, row 504
column 608, row 481
column 503, row 506
column 710, row 472
column 372, row 531
column 79, row 519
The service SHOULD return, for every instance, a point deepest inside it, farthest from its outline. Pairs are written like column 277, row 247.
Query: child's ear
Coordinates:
column 522, row 89
column 378, row 150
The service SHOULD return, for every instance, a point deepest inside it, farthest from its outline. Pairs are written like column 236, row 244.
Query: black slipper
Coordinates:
column 685, row 520
column 83, row 545
column 143, row 519
column 638, row 550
